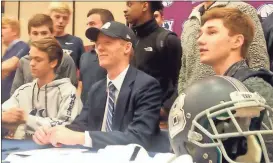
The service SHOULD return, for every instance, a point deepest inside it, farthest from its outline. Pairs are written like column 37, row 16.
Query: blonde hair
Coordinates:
column 13, row 23
column 60, row 7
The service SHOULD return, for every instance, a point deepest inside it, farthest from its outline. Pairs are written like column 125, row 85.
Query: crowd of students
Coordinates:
column 136, row 78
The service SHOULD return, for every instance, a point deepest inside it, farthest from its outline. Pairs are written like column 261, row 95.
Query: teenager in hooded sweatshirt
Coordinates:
column 47, row 101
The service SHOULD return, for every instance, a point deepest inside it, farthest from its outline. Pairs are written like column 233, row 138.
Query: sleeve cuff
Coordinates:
column 31, row 121
column 34, row 122
column 88, row 140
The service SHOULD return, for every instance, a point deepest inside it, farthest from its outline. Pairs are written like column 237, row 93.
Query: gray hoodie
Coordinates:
column 55, row 103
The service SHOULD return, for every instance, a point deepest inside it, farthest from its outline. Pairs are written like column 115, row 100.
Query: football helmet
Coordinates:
column 211, row 122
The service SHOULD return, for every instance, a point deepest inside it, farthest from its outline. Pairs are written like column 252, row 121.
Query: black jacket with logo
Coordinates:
column 164, row 65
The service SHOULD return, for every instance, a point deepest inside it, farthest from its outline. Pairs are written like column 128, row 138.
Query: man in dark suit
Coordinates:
column 122, row 109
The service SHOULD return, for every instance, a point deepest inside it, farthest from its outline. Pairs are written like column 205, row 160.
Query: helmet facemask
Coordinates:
column 233, row 120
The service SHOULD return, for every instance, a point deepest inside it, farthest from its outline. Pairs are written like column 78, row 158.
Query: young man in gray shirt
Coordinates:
column 40, row 26
column 47, row 101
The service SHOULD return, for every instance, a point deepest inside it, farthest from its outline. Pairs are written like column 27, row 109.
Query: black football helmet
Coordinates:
column 211, row 121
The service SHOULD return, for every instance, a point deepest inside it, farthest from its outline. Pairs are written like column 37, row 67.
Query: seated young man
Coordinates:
column 46, row 101
column 16, row 49
column 41, row 26
column 224, row 40
column 120, row 110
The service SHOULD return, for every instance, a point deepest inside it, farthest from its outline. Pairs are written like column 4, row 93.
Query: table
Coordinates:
column 21, row 145
column 12, row 145
column 160, row 144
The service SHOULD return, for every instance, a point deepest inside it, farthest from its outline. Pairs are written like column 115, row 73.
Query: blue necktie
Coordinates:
column 111, row 106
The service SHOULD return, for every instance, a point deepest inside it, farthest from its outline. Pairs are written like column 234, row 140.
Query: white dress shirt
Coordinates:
column 117, row 82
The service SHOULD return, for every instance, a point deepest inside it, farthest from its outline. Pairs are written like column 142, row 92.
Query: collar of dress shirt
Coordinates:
column 119, row 79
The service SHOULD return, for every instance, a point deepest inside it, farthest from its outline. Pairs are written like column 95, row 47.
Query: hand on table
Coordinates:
column 14, row 116
column 62, row 135
column 11, row 119
column 41, row 135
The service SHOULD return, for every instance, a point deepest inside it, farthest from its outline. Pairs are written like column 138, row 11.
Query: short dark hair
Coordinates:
column 39, row 20
column 105, row 15
column 156, row 6
column 50, row 46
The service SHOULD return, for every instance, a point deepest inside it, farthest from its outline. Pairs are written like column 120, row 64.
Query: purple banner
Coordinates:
column 176, row 12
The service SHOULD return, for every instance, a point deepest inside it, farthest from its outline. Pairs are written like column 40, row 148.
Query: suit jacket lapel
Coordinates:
column 100, row 98
column 123, row 98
